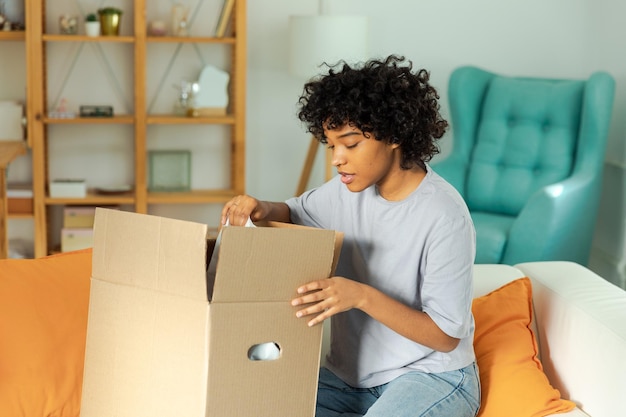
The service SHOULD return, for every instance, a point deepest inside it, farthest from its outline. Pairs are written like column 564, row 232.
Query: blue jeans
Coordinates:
column 415, row 394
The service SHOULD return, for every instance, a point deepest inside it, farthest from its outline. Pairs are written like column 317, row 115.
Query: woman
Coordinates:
column 400, row 303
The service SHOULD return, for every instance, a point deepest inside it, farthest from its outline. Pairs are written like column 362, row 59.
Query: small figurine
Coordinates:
column 179, row 19
column 68, row 24
column 61, row 111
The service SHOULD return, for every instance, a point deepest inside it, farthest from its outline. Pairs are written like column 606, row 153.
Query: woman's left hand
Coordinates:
column 328, row 297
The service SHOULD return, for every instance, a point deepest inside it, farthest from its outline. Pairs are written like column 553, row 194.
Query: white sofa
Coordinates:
column 580, row 321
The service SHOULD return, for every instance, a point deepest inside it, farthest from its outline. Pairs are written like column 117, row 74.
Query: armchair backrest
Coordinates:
column 517, row 135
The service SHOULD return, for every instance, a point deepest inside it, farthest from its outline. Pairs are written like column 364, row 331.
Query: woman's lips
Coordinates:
column 346, row 178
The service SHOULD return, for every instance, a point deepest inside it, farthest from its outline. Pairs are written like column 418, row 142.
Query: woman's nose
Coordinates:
column 337, row 158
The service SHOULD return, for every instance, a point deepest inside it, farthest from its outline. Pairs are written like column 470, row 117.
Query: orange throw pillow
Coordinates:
column 43, row 324
column 512, row 379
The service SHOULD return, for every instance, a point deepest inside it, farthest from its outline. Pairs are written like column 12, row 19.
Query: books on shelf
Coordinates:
column 225, row 14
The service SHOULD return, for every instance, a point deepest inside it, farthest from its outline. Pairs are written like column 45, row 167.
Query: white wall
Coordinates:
column 526, row 38
column 555, row 38
column 604, row 51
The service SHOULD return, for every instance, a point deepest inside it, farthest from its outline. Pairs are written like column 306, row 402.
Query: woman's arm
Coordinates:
column 241, row 207
column 338, row 294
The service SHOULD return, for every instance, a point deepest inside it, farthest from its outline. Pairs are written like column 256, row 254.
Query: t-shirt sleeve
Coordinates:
column 447, row 286
column 314, row 207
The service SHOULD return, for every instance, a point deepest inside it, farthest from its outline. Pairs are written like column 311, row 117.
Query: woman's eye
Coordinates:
column 352, row 146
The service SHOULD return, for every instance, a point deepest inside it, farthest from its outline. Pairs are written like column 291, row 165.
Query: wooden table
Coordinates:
column 9, row 150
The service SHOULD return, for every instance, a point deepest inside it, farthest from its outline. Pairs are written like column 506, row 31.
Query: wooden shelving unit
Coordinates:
column 8, row 152
column 39, row 123
column 12, row 36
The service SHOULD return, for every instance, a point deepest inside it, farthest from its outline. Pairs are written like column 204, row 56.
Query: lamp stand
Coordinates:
column 308, row 166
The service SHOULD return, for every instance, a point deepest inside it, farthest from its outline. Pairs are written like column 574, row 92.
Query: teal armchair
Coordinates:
column 527, row 157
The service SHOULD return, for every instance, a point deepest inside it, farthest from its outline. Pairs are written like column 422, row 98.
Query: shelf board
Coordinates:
column 165, row 119
column 190, row 197
column 93, row 199
column 16, row 35
column 20, row 215
column 189, row 39
column 119, row 119
column 85, row 38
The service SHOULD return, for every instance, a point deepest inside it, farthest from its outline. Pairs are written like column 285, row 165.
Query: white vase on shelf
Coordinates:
column 92, row 29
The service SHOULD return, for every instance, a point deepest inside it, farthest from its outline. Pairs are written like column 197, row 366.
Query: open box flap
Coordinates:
column 150, row 252
column 248, row 259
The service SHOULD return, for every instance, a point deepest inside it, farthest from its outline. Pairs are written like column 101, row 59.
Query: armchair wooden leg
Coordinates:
column 308, row 166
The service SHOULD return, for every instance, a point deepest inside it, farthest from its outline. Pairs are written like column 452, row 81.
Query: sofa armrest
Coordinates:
column 581, row 322
column 489, row 277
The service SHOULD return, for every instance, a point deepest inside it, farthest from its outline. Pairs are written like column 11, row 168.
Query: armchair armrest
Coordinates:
column 567, row 210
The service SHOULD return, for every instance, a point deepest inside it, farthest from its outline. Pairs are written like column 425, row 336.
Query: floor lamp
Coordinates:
column 319, row 39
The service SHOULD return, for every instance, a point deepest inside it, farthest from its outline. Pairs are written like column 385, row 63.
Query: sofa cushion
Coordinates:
column 43, row 324
column 512, row 379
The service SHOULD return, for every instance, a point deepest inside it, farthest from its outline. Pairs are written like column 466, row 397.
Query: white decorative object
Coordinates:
column 211, row 97
column 92, row 29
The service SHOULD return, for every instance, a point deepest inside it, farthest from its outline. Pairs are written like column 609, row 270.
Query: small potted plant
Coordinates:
column 110, row 21
column 92, row 25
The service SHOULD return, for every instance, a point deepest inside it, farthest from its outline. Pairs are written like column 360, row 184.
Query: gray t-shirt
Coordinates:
column 419, row 251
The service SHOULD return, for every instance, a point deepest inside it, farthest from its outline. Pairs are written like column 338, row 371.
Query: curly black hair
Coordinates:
column 384, row 99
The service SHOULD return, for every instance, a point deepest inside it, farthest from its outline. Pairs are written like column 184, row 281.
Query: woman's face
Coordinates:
column 361, row 161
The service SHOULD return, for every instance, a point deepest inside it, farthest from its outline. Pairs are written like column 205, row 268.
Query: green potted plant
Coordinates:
column 92, row 25
column 110, row 20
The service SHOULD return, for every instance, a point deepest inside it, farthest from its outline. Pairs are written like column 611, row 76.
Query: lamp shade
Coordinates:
column 325, row 38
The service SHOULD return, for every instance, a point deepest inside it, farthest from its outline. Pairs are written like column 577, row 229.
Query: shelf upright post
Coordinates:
column 35, row 113
column 141, row 193
column 238, row 96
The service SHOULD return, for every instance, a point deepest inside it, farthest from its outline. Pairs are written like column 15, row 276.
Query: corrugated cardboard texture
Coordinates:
column 268, row 264
column 150, row 252
column 286, row 387
column 157, row 347
column 146, row 353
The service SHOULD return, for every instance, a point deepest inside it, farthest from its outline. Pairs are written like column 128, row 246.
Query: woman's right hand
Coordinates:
column 239, row 208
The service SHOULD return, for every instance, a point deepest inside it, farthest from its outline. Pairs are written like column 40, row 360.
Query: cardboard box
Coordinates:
column 75, row 239
column 161, row 340
column 78, row 217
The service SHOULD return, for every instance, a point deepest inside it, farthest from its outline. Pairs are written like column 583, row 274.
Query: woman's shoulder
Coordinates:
column 444, row 197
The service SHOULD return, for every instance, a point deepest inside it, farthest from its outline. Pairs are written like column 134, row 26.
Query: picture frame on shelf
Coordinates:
column 169, row 170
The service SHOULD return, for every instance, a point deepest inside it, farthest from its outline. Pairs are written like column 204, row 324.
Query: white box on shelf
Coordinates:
column 71, row 188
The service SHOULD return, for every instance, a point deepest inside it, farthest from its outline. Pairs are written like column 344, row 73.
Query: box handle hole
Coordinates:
column 269, row 351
